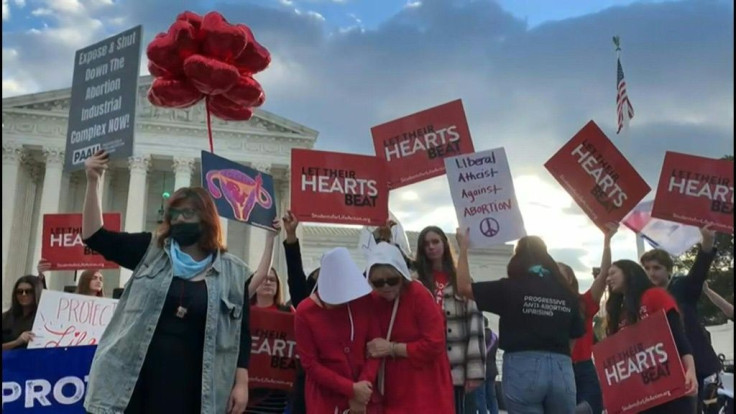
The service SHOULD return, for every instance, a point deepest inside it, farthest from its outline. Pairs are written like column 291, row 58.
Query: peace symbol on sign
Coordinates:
column 489, row 227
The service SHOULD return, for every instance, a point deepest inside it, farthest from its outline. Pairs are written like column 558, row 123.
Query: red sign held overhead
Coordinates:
column 415, row 146
column 597, row 176
column 273, row 349
column 695, row 190
column 62, row 245
column 332, row 187
column 639, row 367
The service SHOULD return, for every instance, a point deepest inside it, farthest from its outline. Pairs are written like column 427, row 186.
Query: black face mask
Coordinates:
column 186, row 234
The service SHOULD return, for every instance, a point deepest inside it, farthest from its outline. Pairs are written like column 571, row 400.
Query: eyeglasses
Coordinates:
column 21, row 292
column 391, row 281
column 187, row 213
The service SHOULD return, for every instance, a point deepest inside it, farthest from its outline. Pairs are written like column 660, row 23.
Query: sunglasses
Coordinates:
column 187, row 213
column 21, row 292
column 391, row 281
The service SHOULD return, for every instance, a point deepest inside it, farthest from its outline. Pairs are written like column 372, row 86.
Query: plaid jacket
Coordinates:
column 464, row 330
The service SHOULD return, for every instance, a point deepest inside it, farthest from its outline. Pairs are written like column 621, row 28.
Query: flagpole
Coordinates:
column 626, row 142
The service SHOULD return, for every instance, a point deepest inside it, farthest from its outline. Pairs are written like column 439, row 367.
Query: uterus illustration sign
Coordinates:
column 240, row 193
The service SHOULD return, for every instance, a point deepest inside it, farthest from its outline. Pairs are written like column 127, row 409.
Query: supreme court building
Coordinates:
column 168, row 143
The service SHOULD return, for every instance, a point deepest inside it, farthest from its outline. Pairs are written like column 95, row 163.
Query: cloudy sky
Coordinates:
column 530, row 74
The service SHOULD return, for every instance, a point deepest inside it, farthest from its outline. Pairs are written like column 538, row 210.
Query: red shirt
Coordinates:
column 330, row 359
column 653, row 300
column 583, row 349
column 441, row 280
column 420, row 383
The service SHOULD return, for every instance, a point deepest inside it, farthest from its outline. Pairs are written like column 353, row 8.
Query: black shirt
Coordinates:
column 687, row 290
column 537, row 313
column 128, row 249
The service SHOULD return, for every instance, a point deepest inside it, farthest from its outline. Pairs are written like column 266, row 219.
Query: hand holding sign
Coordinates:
column 96, row 165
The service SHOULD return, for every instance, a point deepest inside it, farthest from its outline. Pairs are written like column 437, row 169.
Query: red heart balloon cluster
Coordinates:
column 208, row 57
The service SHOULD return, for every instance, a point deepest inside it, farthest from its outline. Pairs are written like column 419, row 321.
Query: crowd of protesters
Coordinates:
column 403, row 335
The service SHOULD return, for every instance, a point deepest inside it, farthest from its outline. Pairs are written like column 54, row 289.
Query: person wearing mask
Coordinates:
column 687, row 291
column 589, row 397
column 90, row 283
column 332, row 329
column 536, row 338
column 718, row 301
column 436, row 269
column 414, row 376
column 179, row 339
column 633, row 297
column 18, row 320
column 486, row 399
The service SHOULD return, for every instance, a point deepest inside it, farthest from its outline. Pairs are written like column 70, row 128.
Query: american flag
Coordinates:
column 623, row 106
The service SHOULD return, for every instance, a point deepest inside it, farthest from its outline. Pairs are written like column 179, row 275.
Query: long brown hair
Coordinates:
column 423, row 264
column 85, row 279
column 626, row 304
column 531, row 251
column 574, row 285
column 211, row 239
column 278, row 297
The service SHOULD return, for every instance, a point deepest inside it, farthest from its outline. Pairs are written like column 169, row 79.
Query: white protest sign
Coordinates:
column 483, row 193
column 69, row 319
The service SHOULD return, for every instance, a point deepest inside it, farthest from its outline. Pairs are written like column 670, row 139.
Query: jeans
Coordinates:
column 536, row 382
column 588, row 388
column 485, row 397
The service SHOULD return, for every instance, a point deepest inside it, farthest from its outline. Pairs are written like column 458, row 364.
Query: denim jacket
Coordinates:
column 122, row 349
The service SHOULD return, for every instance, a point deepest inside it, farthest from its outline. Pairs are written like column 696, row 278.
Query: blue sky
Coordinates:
column 531, row 73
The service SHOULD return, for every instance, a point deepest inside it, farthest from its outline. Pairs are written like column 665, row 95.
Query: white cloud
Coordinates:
column 6, row 10
column 42, row 12
column 412, row 4
column 316, row 15
column 20, row 3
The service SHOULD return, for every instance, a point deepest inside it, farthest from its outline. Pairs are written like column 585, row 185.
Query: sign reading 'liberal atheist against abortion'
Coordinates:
column 332, row 187
column 103, row 101
column 415, row 146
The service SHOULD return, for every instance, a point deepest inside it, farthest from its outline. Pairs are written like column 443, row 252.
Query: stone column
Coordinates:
column 106, row 190
column 13, row 155
column 283, row 197
column 183, row 168
column 50, row 193
column 135, row 212
column 257, row 236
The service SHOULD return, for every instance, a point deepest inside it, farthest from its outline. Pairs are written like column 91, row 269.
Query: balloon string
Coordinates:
column 209, row 123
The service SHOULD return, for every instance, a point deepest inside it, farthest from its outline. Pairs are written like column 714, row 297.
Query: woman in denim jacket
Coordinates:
column 178, row 341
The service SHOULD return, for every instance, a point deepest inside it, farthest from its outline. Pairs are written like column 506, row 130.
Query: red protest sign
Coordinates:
column 597, row 176
column 332, row 187
column 273, row 349
column 639, row 367
column 695, row 190
column 62, row 245
column 415, row 146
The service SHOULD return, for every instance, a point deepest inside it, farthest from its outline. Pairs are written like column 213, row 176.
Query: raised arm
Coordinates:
column 699, row 271
column 464, row 282
column 296, row 278
column 94, row 167
column 599, row 284
column 265, row 265
column 719, row 301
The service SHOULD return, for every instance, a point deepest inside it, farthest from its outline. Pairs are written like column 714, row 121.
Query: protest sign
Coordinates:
column 414, row 147
column 639, row 367
column 674, row 238
column 332, row 187
column 597, row 176
column 69, row 319
column 482, row 191
column 695, row 190
column 50, row 380
column 240, row 193
column 62, row 246
column 103, row 99
column 273, row 351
